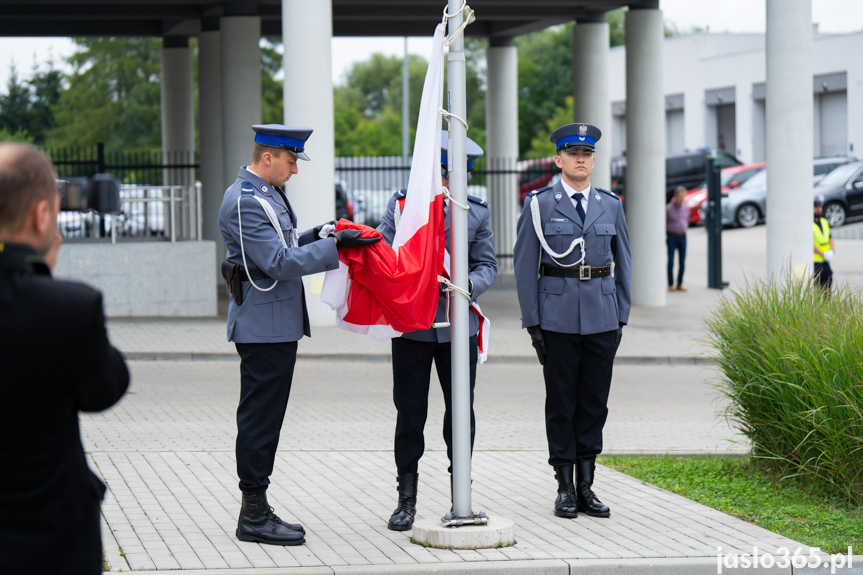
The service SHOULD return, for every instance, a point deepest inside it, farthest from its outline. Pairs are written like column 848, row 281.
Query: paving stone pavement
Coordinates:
column 166, row 450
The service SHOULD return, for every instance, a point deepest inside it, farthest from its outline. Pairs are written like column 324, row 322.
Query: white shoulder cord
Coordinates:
column 271, row 215
column 537, row 227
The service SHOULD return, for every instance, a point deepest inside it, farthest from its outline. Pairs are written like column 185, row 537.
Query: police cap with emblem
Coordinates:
column 473, row 152
column 575, row 136
column 283, row 137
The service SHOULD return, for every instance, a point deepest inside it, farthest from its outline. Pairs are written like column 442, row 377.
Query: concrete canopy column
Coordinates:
column 590, row 40
column 501, row 120
column 178, row 110
column 307, row 32
column 789, row 137
column 645, row 164
column 240, row 55
column 210, row 129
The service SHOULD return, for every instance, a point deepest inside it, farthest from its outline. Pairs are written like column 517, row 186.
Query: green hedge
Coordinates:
column 792, row 359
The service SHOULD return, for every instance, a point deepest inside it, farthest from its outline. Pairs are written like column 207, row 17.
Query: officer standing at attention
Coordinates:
column 573, row 274
column 414, row 351
column 266, row 259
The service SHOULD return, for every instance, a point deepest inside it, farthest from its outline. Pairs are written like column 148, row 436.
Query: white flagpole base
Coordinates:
column 429, row 532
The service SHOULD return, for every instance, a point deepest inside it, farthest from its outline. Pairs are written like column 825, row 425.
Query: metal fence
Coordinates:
column 148, row 213
column 159, row 192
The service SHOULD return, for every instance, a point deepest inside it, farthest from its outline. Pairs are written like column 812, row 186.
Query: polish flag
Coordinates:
column 386, row 291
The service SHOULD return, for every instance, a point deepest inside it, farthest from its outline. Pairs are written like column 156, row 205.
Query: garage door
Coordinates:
column 833, row 108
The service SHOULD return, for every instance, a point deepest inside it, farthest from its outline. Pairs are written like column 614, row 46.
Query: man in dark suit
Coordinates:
column 55, row 361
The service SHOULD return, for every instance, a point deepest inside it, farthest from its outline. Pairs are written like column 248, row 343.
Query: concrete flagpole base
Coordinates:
column 429, row 532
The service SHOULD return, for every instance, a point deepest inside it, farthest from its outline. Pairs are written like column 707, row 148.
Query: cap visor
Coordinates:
column 577, row 147
column 300, row 155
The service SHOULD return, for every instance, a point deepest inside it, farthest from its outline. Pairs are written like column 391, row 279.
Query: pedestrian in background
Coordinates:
column 676, row 224
column 573, row 273
column 266, row 259
column 55, row 360
column 823, row 251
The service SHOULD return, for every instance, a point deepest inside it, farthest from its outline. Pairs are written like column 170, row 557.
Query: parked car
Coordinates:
column 823, row 166
column 730, row 178
column 747, row 205
column 687, row 170
column 842, row 189
column 533, row 175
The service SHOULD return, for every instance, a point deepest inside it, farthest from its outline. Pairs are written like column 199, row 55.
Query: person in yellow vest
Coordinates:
column 823, row 246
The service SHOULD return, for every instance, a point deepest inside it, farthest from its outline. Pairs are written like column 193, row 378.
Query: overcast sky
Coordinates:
column 833, row 16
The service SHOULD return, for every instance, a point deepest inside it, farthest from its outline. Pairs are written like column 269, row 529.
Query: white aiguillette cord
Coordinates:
column 271, row 214
column 537, row 227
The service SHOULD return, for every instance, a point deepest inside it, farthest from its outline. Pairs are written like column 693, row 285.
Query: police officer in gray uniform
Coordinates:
column 414, row 352
column 266, row 259
column 573, row 276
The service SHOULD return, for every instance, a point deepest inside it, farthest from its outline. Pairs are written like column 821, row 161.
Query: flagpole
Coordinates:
column 457, row 156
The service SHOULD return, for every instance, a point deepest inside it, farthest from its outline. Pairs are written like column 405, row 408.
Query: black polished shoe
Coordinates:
column 259, row 524
column 402, row 518
column 565, row 505
column 586, row 499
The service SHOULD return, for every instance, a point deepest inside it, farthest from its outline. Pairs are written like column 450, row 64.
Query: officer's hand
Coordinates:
column 618, row 337
column 538, row 342
column 352, row 239
column 316, row 231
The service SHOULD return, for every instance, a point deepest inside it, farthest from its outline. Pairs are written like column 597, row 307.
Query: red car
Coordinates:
column 730, row 178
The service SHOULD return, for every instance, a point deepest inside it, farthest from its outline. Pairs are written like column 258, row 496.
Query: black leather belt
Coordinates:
column 254, row 273
column 580, row 272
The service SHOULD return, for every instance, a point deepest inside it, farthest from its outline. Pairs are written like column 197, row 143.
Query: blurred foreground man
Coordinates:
column 55, row 361
column 573, row 271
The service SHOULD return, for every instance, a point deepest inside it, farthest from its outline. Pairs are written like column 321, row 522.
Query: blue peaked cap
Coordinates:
column 473, row 149
column 576, row 136
column 283, row 137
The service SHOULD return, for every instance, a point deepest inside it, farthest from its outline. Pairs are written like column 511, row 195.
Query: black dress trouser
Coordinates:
column 577, row 382
column 266, row 372
column 411, row 380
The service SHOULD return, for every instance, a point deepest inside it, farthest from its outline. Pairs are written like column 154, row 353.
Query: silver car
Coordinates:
column 747, row 205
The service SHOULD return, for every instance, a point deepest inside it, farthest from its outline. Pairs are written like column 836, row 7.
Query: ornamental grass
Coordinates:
column 791, row 355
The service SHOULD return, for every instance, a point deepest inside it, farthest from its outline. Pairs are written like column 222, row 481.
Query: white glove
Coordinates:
column 828, row 256
column 326, row 230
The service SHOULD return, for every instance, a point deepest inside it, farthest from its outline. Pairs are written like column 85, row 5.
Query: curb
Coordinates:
column 387, row 358
column 657, row 566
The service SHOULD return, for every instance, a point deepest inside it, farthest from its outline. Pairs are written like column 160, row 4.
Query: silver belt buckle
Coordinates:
column 584, row 273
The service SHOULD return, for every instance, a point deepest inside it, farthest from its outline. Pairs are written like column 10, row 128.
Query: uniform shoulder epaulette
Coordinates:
column 401, row 194
column 247, row 188
column 539, row 191
column 608, row 193
column 477, row 200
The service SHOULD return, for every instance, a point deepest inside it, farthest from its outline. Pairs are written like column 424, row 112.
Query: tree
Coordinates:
column 26, row 108
column 113, row 96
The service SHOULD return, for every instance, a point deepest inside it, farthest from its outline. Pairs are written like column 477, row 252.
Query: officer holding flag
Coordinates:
column 266, row 259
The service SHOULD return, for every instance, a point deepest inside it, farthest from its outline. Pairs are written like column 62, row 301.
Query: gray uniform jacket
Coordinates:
column 568, row 304
column 482, row 264
column 278, row 315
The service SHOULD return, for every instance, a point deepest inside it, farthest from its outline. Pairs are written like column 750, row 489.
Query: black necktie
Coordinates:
column 578, row 208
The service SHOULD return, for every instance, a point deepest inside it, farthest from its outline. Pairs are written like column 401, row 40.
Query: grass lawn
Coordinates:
column 755, row 494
